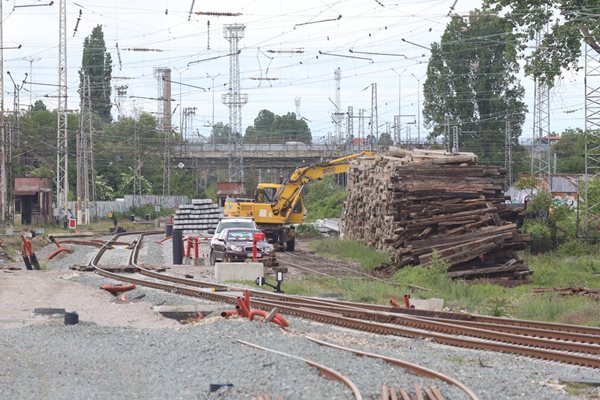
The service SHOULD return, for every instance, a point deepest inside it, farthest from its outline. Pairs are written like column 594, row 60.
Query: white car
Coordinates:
column 226, row 223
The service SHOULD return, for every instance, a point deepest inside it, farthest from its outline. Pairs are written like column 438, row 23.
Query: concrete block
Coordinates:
column 228, row 271
column 432, row 304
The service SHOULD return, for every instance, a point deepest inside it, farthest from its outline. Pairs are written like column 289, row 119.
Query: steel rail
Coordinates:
column 569, row 337
column 356, row 273
column 445, row 328
column 381, row 328
column 417, row 369
column 551, row 330
column 324, row 370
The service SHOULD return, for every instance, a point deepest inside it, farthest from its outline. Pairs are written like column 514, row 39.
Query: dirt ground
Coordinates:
column 22, row 291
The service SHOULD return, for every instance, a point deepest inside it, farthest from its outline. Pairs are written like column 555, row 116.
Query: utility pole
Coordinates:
column 337, row 115
column 374, row 115
column 137, row 167
column 508, row 144
column 31, row 60
column 62, row 153
column 121, row 91
column 361, row 127
column 4, row 199
column 212, row 121
column 163, row 75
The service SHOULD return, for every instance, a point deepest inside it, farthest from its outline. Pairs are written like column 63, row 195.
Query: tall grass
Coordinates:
column 350, row 250
column 556, row 270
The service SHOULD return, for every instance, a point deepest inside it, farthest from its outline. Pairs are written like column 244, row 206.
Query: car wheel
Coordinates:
column 290, row 244
column 212, row 259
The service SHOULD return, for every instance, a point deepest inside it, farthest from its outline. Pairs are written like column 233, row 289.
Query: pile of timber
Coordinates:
column 411, row 203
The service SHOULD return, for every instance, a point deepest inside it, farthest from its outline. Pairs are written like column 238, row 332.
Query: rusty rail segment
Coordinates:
column 351, row 316
column 417, row 369
column 323, row 370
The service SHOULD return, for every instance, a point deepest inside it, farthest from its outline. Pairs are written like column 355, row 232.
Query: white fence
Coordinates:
column 102, row 208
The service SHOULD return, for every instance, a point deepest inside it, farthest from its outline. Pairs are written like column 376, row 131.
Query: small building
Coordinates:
column 33, row 201
column 229, row 189
column 562, row 187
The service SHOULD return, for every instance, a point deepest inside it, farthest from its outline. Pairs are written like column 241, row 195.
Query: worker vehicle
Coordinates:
column 237, row 245
column 277, row 208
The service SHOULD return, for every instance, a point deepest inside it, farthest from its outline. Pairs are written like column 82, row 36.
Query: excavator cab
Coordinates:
column 266, row 193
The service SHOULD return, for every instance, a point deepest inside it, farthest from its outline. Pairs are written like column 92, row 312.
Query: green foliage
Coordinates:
column 549, row 271
column 271, row 128
column 42, row 172
column 127, row 179
column 220, row 134
column 568, row 25
column 570, row 150
column 433, row 276
column 97, row 64
column 307, row 231
column 103, row 190
column 39, row 105
column 350, row 250
column 539, row 207
column 471, row 81
column 578, row 248
column 324, row 199
column 526, row 182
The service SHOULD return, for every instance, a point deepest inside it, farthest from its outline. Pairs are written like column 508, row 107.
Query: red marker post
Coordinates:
column 257, row 237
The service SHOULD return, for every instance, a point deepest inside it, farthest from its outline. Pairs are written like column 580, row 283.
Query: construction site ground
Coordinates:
column 23, row 290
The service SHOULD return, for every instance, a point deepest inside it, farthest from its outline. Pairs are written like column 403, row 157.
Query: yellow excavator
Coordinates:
column 277, row 207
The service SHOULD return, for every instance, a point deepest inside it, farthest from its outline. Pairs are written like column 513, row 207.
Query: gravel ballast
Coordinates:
column 91, row 360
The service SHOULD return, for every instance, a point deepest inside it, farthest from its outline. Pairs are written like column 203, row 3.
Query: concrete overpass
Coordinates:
column 260, row 156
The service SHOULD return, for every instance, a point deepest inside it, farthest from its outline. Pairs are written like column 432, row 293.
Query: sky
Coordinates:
column 289, row 53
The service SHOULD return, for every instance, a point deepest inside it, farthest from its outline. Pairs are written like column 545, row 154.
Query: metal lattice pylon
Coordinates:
column 540, row 142
column 62, row 153
column 235, row 100
column 591, row 206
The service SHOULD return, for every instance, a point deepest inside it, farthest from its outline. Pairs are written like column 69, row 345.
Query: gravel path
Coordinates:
column 106, row 356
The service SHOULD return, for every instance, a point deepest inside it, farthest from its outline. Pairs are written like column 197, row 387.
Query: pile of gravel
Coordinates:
column 86, row 361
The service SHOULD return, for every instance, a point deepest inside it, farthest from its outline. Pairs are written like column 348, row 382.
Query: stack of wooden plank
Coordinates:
column 412, row 203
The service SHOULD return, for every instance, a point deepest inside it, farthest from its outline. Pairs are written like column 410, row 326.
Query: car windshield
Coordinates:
column 241, row 235
column 235, row 224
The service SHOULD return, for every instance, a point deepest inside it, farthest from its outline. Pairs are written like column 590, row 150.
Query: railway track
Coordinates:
column 548, row 341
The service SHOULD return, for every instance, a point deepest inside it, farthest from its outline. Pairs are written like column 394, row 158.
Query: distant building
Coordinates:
column 33, row 201
column 562, row 187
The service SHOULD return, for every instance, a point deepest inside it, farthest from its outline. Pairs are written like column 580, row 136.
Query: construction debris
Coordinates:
column 412, row 203
column 571, row 291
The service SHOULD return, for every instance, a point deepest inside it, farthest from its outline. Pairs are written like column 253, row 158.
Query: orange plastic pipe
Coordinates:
column 394, row 303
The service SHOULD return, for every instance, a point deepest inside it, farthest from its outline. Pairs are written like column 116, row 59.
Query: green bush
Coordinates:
column 351, row 250
column 307, row 231
column 324, row 199
column 577, row 248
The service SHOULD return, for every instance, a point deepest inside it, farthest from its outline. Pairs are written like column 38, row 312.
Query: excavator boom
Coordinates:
column 275, row 213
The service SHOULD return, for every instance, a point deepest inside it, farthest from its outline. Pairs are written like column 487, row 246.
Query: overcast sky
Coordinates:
column 284, row 41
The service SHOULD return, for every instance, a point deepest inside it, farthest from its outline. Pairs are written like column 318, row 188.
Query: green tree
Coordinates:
column 569, row 23
column 471, row 83
column 220, row 133
column 114, row 151
column 271, row 128
column 97, row 64
column 570, row 152
column 39, row 106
